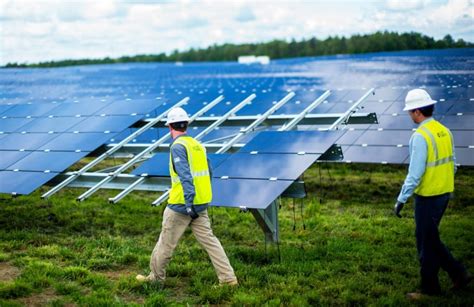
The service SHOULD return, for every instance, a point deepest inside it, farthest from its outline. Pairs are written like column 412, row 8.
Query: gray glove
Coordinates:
column 397, row 208
column 192, row 212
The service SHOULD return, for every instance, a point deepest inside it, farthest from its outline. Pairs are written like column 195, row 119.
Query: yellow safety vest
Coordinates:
column 197, row 160
column 439, row 173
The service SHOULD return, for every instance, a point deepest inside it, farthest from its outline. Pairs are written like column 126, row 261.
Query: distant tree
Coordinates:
column 277, row 49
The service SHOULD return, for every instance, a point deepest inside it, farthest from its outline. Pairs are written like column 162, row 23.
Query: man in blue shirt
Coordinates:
column 431, row 178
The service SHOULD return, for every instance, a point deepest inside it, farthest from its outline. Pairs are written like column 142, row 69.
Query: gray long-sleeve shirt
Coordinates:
column 180, row 163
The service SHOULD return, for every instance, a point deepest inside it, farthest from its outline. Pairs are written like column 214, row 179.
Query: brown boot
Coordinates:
column 416, row 296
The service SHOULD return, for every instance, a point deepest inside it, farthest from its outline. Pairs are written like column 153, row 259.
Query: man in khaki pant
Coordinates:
column 189, row 198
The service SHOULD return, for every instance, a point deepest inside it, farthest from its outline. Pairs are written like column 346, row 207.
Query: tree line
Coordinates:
column 278, row 49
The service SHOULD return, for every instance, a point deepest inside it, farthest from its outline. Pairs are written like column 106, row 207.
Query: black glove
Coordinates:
column 192, row 212
column 397, row 208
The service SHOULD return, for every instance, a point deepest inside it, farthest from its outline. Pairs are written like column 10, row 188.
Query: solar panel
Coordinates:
column 54, row 124
column 375, row 154
column 105, row 123
column 76, row 142
column 25, row 110
column 463, row 138
column 10, row 157
column 465, row 156
column 248, row 193
column 385, row 137
column 464, row 107
column 4, row 108
column 13, row 124
column 158, row 165
column 265, row 166
column 390, row 122
column 41, row 161
column 128, row 107
column 455, row 122
column 317, row 142
column 23, row 182
column 77, row 109
column 27, row 141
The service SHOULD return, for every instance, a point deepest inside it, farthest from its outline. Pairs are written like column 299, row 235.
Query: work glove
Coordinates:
column 397, row 208
column 192, row 212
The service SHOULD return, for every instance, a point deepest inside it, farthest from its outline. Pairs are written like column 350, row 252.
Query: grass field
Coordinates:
column 353, row 251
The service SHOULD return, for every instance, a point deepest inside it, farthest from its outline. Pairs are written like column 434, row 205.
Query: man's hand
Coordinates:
column 192, row 212
column 397, row 208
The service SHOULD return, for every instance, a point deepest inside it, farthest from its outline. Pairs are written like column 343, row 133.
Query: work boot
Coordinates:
column 462, row 281
column 143, row 278
column 232, row 283
column 416, row 296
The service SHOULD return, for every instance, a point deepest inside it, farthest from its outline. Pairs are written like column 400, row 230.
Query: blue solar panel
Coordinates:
column 27, row 141
column 375, row 106
column 385, row 137
column 262, row 103
column 23, row 182
column 464, row 156
column 454, row 122
column 34, row 110
column 158, row 165
column 248, row 193
column 400, row 122
column 265, row 166
column 375, row 154
column 129, row 107
column 292, row 141
column 78, row 109
column 349, row 137
column 53, row 124
column 4, row 108
column 462, row 138
column 47, row 161
column 465, row 107
column 76, row 142
column 10, row 157
column 105, row 123
column 386, row 94
column 13, row 124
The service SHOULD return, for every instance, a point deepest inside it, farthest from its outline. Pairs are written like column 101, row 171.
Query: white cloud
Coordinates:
column 405, row 5
column 40, row 30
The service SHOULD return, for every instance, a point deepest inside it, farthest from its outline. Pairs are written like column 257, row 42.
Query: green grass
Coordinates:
column 353, row 251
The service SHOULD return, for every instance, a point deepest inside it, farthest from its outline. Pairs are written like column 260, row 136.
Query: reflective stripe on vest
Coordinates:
column 439, row 173
column 197, row 159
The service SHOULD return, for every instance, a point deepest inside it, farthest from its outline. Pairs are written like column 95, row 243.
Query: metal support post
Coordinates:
column 267, row 219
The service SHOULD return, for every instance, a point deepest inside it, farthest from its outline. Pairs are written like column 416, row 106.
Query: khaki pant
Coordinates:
column 174, row 225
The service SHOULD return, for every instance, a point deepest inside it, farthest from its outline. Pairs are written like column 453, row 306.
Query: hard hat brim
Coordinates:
column 419, row 105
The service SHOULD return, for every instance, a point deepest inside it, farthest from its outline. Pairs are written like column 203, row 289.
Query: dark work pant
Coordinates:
column 433, row 254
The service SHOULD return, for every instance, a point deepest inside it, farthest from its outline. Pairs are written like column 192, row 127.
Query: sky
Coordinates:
column 43, row 30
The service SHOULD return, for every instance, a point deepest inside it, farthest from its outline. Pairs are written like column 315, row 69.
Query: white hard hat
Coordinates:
column 177, row 115
column 417, row 98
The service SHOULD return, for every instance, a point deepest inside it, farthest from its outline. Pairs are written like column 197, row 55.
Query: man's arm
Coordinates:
column 418, row 156
column 179, row 158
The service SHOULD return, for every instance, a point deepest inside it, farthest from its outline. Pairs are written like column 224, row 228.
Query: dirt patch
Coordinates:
column 40, row 299
column 117, row 274
column 8, row 272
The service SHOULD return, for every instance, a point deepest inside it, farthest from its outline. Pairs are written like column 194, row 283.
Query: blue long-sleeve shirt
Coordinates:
column 418, row 149
column 180, row 163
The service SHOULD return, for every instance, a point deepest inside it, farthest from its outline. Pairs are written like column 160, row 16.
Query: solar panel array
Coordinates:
column 51, row 118
column 39, row 141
